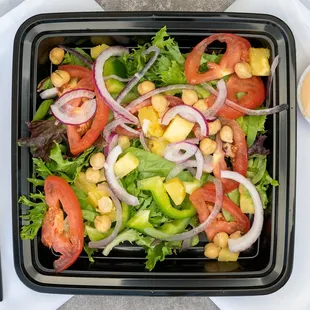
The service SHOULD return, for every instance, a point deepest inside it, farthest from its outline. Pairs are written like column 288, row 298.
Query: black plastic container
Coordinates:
column 262, row 270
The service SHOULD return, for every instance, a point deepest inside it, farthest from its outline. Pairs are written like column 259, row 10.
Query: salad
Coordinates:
column 150, row 146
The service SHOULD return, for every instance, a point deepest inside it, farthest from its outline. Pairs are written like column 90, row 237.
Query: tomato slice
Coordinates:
column 79, row 143
column 237, row 50
column 54, row 234
column 207, row 194
column 253, row 97
column 76, row 71
column 239, row 162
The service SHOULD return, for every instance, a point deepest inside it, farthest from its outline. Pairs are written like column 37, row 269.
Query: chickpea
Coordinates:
column 159, row 103
column 97, row 161
column 145, row 87
column 201, row 105
column 92, row 176
column 212, row 250
column 105, row 205
column 124, row 142
column 243, row 70
column 102, row 223
column 226, row 134
column 57, row 55
column 221, row 239
column 189, row 96
column 60, row 78
column 235, row 235
column 207, row 146
column 214, row 127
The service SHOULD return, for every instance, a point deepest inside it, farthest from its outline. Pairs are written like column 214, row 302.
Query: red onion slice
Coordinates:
column 189, row 113
column 244, row 242
column 208, row 164
column 78, row 55
column 237, row 107
column 49, row 93
column 273, row 68
column 173, row 151
column 74, row 94
column 202, row 227
column 101, row 87
column 200, row 164
column 70, row 115
column 75, row 116
column 102, row 243
column 157, row 91
column 138, row 76
column 220, row 100
column 112, row 143
column 114, row 185
column 129, row 129
column 108, row 129
column 192, row 140
column 116, row 77
column 143, row 142
column 180, row 167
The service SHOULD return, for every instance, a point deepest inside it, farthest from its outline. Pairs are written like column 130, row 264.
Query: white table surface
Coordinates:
column 16, row 294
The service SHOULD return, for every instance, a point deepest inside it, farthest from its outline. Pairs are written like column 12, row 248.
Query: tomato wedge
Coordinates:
column 239, row 162
column 54, row 233
column 253, row 96
column 76, row 71
column 207, row 194
column 79, row 143
column 237, row 50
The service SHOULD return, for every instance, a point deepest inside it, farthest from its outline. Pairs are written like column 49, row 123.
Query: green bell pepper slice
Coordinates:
column 156, row 186
column 140, row 222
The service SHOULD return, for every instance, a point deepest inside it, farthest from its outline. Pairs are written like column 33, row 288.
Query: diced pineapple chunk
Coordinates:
column 226, row 256
column 83, row 185
column 178, row 130
column 124, row 142
column 157, row 146
column 246, row 203
column 94, row 196
column 148, row 113
column 155, row 130
column 259, row 61
column 125, row 165
column 176, row 190
column 97, row 50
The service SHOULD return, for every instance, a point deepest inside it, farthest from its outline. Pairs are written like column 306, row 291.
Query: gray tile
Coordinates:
column 149, row 303
column 133, row 303
column 165, row 5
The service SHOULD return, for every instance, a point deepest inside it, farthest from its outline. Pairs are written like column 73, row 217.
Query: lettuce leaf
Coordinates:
column 151, row 165
column 259, row 176
column 42, row 138
column 157, row 253
column 168, row 69
column 68, row 168
column 34, row 216
column 252, row 126
column 71, row 59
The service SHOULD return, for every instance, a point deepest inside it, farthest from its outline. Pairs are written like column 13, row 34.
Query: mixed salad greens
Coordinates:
column 150, row 146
